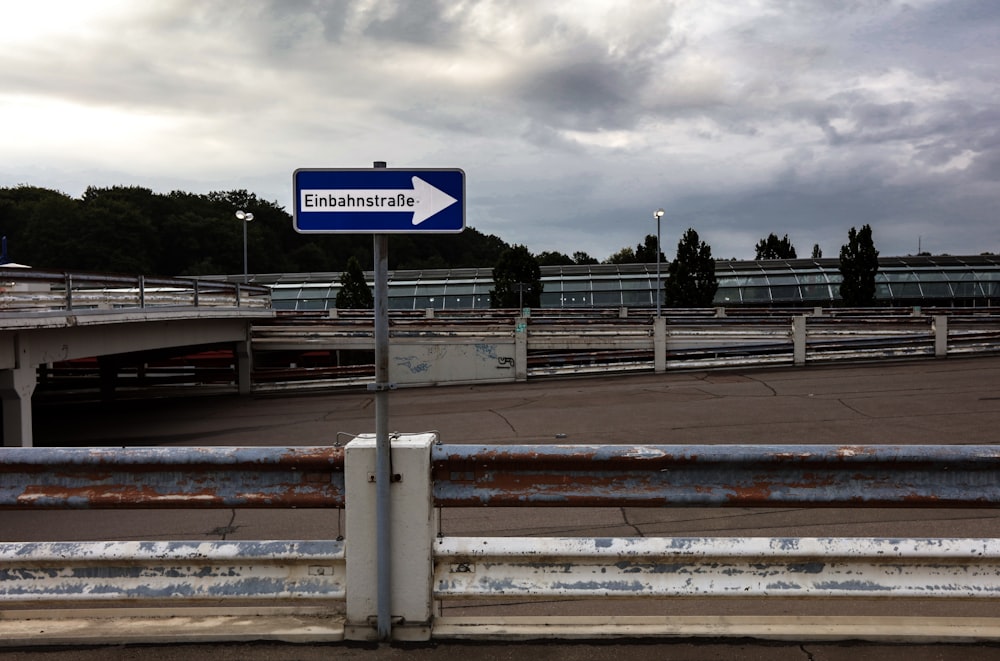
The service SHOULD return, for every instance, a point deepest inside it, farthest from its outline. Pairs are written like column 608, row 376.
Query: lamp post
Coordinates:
column 246, row 217
column 658, row 214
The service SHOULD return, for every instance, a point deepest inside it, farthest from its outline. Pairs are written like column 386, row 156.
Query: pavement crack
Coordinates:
column 227, row 529
column 631, row 525
column 843, row 402
column 504, row 418
column 809, row 655
column 774, row 393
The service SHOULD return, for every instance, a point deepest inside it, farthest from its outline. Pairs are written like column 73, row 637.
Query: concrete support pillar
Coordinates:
column 940, row 326
column 17, row 385
column 623, row 312
column 521, row 349
column 244, row 365
column 799, row 340
column 428, row 313
column 659, row 345
column 720, row 313
column 412, row 523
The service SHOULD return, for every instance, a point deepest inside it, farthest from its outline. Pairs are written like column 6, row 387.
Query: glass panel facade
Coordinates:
column 900, row 281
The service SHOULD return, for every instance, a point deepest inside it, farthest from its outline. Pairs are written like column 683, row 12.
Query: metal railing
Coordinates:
column 548, row 343
column 32, row 290
column 433, row 566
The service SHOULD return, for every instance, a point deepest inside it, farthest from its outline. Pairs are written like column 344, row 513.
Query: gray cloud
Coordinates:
column 572, row 121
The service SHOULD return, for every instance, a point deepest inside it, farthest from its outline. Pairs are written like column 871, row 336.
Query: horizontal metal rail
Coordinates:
column 102, row 478
column 141, row 572
column 716, row 475
column 26, row 290
column 477, row 568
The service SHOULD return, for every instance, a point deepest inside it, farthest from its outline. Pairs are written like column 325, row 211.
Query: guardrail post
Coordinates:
column 799, row 339
column 521, row 349
column 142, row 291
column 16, row 387
column 659, row 344
column 412, row 523
column 940, row 325
column 69, row 292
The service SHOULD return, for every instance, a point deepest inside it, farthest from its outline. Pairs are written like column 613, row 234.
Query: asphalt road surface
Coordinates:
column 951, row 401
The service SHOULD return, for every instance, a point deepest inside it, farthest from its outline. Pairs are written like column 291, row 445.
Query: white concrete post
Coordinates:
column 17, row 385
column 659, row 345
column 799, row 340
column 521, row 349
column 413, row 529
column 940, row 325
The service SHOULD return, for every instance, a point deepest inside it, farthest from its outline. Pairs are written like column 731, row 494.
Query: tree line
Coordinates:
column 131, row 229
column 134, row 230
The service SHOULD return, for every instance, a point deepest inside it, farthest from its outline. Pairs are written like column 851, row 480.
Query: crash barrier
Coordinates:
column 428, row 567
column 496, row 347
column 33, row 290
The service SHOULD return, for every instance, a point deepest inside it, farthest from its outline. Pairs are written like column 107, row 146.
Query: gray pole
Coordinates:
column 382, row 445
column 659, row 291
column 245, row 268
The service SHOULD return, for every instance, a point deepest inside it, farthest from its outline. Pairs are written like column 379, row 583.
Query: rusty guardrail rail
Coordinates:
column 107, row 478
column 716, row 475
column 435, row 566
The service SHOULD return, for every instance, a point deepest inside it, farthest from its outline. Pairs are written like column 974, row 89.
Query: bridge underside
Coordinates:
column 68, row 337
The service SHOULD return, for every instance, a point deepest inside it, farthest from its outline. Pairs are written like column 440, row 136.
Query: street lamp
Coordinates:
column 246, row 217
column 658, row 214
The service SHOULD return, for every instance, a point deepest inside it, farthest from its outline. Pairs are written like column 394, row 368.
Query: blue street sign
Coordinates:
column 378, row 201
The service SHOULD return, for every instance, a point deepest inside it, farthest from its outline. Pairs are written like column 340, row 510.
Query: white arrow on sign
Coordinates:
column 423, row 200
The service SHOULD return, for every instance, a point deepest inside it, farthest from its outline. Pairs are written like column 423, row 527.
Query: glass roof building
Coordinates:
column 901, row 281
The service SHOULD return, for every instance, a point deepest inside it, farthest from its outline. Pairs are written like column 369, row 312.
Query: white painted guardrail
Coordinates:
column 331, row 583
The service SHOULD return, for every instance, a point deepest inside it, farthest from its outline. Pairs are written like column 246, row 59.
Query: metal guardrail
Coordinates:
column 442, row 567
column 716, row 475
column 106, row 478
column 32, row 290
column 594, row 341
column 70, row 573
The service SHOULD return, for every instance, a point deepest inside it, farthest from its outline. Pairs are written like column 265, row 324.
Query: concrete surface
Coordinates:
column 932, row 401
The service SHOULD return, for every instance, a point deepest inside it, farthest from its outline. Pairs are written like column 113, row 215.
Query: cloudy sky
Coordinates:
column 573, row 120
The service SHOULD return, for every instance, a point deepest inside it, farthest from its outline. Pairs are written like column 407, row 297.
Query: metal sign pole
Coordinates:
column 383, row 462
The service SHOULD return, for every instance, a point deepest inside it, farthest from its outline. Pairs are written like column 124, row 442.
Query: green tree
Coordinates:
column 354, row 292
column 858, row 266
column 817, row 251
column 583, row 258
column 645, row 253
column 624, row 256
column 551, row 258
column 517, row 279
column 774, row 248
column 691, row 280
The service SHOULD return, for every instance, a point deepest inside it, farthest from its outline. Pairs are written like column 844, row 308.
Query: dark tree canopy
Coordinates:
column 130, row 229
column 643, row 253
column 354, row 292
column 858, row 266
column 517, row 280
column 691, row 280
column 774, row 248
column 549, row 258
